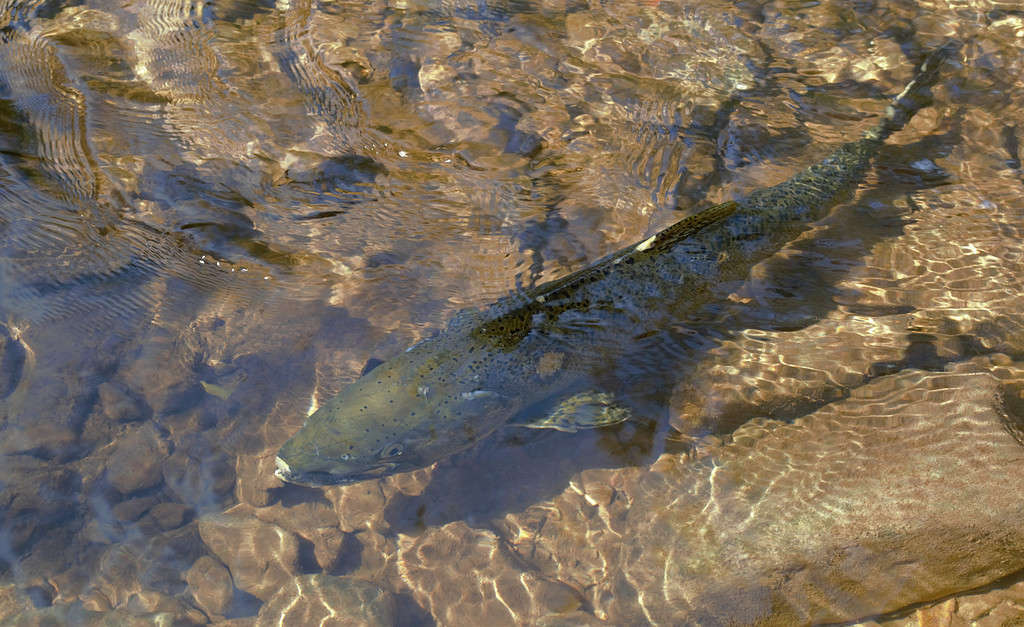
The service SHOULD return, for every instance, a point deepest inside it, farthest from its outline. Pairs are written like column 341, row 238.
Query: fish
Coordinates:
column 544, row 357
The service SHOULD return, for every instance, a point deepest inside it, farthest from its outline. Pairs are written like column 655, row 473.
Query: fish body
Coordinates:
column 545, row 357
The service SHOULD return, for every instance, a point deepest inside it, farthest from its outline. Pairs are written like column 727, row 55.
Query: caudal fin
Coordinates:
column 916, row 95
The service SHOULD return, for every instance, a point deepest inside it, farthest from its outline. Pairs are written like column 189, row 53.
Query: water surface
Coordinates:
column 214, row 215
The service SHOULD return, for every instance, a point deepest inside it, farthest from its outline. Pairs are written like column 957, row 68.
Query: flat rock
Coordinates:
column 330, row 602
column 906, row 492
column 261, row 556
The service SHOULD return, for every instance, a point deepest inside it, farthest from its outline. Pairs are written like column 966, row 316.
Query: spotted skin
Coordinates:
column 534, row 356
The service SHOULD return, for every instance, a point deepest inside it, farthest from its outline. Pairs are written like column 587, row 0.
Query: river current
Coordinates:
column 214, row 215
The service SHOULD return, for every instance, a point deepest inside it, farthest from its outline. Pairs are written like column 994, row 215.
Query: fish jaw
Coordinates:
column 320, row 479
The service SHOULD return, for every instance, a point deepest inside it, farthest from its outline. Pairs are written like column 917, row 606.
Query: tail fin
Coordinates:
column 915, row 96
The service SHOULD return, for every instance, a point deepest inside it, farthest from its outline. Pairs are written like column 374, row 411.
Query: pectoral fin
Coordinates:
column 586, row 410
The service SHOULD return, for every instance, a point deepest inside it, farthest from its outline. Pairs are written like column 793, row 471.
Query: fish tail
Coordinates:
column 915, row 96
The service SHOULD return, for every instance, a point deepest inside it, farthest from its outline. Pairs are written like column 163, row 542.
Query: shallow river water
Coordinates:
column 214, row 215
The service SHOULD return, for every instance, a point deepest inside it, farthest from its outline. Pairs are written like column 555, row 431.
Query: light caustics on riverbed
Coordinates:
column 212, row 213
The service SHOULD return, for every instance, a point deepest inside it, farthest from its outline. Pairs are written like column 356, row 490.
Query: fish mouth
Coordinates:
column 321, row 478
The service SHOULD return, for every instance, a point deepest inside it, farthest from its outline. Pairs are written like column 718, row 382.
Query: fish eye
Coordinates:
column 393, row 450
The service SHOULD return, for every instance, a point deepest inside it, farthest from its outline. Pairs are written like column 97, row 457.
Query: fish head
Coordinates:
column 405, row 414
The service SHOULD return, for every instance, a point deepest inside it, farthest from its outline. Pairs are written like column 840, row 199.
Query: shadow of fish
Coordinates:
column 543, row 358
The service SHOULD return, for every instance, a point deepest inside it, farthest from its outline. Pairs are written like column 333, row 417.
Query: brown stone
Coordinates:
column 939, row 615
column 1006, row 614
column 260, row 556
column 300, row 517
column 96, row 601
column 378, row 554
column 165, row 384
column 118, row 405
column 411, row 483
column 330, row 602
column 136, row 462
column 153, row 602
column 210, row 585
column 971, row 607
column 327, row 545
column 102, row 531
column 170, row 515
column 166, row 555
column 74, row 581
column 255, row 477
column 1015, row 592
column 117, row 577
column 133, row 509
column 199, row 477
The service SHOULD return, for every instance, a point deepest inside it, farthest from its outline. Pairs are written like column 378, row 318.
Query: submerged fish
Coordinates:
column 543, row 358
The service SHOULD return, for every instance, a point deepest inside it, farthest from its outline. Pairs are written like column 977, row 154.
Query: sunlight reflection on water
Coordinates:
column 212, row 213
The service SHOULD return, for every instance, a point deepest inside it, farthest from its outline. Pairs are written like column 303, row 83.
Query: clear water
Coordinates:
column 213, row 215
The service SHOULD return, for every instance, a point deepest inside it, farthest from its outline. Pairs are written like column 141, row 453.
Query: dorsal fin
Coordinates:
column 657, row 243
column 510, row 326
column 687, row 227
